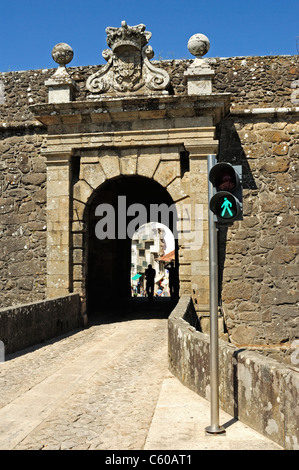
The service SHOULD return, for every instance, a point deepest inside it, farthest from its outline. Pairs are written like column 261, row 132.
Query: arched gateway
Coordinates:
column 128, row 131
column 113, row 214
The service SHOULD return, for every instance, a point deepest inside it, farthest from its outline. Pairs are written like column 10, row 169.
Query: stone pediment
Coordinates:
column 128, row 70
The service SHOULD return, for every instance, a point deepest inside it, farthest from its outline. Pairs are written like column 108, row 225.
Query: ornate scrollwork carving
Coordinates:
column 97, row 83
column 157, row 79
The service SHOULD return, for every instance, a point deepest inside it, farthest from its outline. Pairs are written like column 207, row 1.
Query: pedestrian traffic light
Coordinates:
column 226, row 203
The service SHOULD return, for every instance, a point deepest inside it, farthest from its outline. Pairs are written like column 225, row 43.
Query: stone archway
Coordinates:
column 72, row 179
column 154, row 171
column 73, row 176
column 136, row 129
column 131, row 201
column 81, row 156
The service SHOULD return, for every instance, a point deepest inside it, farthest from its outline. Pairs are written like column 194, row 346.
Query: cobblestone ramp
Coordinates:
column 108, row 387
column 94, row 389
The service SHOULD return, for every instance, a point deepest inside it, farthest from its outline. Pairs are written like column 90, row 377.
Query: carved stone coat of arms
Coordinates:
column 128, row 68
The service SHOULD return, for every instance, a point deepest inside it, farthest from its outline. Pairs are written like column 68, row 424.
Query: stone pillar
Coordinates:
column 58, row 223
column 199, row 82
column 199, row 78
column 199, row 75
column 200, row 248
column 61, row 87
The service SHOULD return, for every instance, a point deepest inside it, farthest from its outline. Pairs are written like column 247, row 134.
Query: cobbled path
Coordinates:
column 96, row 388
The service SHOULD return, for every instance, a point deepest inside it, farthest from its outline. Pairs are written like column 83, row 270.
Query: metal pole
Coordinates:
column 214, row 428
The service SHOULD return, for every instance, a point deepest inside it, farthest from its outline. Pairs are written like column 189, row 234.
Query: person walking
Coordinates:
column 173, row 280
column 150, row 274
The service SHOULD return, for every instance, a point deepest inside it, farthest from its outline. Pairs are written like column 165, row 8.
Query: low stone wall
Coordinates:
column 26, row 325
column 260, row 392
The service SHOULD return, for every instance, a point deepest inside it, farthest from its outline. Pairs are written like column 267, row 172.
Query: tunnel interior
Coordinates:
column 108, row 278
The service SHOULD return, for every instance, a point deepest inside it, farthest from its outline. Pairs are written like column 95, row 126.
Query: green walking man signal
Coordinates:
column 226, row 203
column 226, row 207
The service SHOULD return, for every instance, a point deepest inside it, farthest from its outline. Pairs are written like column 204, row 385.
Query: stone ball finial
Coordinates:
column 198, row 45
column 62, row 53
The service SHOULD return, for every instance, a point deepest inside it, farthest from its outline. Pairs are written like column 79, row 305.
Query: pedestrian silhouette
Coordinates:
column 172, row 279
column 150, row 274
column 226, row 206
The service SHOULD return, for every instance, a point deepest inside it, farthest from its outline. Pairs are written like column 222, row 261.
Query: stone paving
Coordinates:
column 104, row 388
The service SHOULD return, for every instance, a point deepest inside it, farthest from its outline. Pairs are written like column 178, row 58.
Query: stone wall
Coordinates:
column 258, row 391
column 22, row 217
column 259, row 255
column 254, row 82
column 26, row 325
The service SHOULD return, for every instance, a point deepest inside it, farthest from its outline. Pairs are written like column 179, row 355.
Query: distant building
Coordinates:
column 164, row 260
column 148, row 244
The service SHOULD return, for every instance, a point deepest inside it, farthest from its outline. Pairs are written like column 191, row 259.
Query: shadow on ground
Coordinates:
column 133, row 309
column 125, row 310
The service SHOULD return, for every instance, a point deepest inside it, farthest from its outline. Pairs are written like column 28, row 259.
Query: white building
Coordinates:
column 148, row 245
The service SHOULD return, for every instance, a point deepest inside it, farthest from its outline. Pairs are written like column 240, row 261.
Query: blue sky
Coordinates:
column 29, row 29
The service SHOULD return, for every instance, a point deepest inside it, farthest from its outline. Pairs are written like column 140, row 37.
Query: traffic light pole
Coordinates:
column 214, row 427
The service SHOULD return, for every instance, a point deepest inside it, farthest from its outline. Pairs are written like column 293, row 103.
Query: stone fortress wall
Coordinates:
column 259, row 275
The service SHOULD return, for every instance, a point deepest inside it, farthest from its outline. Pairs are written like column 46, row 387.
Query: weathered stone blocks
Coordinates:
column 110, row 163
column 147, row 163
column 128, row 162
column 30, row 324
column 166, row 172
column 258, row 391
column 23, row 219
column 263, row 248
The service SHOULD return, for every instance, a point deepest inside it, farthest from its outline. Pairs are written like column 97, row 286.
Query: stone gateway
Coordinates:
column 76, row 137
